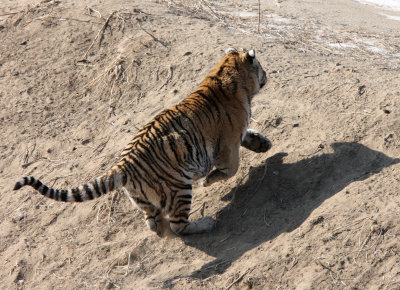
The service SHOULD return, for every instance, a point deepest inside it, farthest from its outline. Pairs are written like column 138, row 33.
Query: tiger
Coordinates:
column 200, row 137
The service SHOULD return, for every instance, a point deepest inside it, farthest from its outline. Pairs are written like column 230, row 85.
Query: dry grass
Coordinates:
column 304, row 37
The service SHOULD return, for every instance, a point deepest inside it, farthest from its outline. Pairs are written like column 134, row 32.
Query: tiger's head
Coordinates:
column 248, row 67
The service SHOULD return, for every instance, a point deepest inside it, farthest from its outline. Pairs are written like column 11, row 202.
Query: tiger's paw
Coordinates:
column 205, row 183
column 205, row 224
column 264, row 144
column 256, row 142
column 202, row 225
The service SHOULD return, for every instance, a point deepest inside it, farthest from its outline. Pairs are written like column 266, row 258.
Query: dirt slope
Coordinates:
column 319, row 211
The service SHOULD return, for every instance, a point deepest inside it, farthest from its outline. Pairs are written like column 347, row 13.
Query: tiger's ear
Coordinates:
column 229, row 49
column 250, row 55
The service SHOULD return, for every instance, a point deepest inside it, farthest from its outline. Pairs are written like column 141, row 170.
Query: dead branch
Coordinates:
column 152, row 36
column 101, row 31
column 237, row 280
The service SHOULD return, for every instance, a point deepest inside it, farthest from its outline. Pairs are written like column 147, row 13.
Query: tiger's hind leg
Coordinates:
column 256, row 142
column 154, row 220
column 179, row 216
column 153, row 215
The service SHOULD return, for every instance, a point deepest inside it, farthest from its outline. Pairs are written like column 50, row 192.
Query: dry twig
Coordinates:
column 101, row 31
column 237, row 280
column 259, row 16
column 152, row 36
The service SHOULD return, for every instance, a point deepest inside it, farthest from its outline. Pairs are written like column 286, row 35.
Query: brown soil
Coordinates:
column 318, row 211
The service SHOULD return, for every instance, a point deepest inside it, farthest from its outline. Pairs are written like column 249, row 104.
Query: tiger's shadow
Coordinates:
column 280, row 198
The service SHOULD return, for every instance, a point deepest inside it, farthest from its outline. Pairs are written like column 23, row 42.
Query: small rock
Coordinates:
column 390, row 136
column 361, row 90
column 278, row 121
column 375, row 229
column 318, row 220
column 18, row 218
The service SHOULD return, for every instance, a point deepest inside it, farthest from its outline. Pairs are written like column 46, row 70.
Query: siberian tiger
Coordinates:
column 199, row 137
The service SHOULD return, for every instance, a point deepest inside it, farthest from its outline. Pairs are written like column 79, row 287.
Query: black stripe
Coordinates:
column 111, row 182
column 141, row 201
column 103, row 186
column 150, row 184
column 184, row 129
column 157, row 159
column 184, row 215
column 136, row 176
column 170, row 140
column 64, row 195
column 221, row 68
column 163, row 157
column 202, row 106
column 236, row 65
column 130, row 171
column 124, row 179
column 181, row 186
column 45, row 190
column 37, row 184
column 76, row 194
column 194, row 127
column 187, row 107
column 219, row 83
column 216, row 99
column 182, row 202
column 52, row 193
column 96, row 188
column 179, row 221
column 89, row 192
column 30, row 180
column 163, row 201
column 185, row 196
column 212, row 101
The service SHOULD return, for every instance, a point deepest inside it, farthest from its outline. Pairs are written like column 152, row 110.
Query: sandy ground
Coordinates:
column 318, row 211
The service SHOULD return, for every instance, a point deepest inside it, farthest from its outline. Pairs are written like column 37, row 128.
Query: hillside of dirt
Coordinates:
column 320, row 210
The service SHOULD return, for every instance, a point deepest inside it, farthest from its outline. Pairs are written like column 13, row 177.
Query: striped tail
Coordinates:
column 115, row 178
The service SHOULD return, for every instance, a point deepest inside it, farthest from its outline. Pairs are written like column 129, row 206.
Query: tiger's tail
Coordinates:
column 115, row 178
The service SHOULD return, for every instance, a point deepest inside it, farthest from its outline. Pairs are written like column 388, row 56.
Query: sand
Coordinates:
column 320, row 210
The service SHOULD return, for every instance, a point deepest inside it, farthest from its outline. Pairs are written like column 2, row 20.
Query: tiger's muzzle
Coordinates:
column 263, row 79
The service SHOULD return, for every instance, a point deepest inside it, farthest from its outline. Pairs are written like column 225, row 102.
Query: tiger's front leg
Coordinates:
column 179, row 216
column 226, row 165
column 256, row 142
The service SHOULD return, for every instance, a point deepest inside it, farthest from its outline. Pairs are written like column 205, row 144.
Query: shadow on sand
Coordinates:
column 281, row 200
